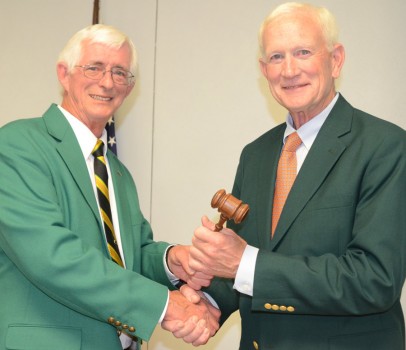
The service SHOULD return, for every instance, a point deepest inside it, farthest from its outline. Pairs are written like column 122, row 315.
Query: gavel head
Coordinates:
column 229, row 206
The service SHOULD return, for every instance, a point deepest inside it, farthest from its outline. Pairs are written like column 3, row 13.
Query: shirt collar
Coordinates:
column 308, row 131
column 85, row 137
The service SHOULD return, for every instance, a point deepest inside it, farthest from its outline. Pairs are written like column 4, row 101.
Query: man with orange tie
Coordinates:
column 79, row 268
column 319, row 262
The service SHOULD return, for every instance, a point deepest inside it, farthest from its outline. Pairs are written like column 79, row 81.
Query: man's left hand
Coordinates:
column 216, row 253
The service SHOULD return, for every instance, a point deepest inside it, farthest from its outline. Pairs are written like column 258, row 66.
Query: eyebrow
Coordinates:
column 98, row 63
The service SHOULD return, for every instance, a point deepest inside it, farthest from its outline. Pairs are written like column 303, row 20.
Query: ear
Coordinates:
column 129, row 89
column 63, row 75
column 337, row 60
column 263, row 66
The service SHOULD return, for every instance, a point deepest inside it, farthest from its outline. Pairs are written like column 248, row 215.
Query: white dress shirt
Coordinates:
column 87, row 140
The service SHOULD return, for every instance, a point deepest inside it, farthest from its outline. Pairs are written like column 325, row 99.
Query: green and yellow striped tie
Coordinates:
column 101, row 176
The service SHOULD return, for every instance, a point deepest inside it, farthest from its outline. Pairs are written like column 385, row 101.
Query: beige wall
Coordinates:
column 199, row 96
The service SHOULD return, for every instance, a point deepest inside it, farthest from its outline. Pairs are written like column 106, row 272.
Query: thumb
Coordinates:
column 190, row 294
column 208, row 224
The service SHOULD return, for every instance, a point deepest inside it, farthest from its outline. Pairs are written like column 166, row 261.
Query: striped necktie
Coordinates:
column 101, row 177
column 285, row 176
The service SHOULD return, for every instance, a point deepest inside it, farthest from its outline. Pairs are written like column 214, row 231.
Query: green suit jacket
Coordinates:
column 331, row 278
column 59, row 287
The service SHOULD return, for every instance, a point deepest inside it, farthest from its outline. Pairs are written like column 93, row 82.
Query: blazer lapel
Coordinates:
column 266, row 177
column 123, row 208
column 69, row 150
column 323, row 155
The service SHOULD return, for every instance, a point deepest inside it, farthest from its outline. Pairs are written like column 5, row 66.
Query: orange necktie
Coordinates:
column 285, row 177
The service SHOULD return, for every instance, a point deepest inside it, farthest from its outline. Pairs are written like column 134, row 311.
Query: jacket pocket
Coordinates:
column 42, row 337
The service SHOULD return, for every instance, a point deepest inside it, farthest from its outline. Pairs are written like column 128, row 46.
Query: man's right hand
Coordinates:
column 194, row 321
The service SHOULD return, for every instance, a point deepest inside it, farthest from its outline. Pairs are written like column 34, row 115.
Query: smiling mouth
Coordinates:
column 101, row 98
column 292, row 87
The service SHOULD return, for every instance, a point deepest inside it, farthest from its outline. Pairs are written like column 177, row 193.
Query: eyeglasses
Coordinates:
column 119, row 75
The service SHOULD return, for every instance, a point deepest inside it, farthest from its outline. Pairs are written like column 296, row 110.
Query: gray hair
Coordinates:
column 97, row 33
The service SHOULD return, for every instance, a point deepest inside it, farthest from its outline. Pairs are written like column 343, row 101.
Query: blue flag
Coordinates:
column 111, row 135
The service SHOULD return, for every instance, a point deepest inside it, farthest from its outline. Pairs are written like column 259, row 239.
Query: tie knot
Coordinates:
column 293, row 141
column 98, row 149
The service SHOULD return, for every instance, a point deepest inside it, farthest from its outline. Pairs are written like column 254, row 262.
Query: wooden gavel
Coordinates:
column 229, row 207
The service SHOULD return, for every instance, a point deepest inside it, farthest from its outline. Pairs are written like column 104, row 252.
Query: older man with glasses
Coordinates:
column 78, row 265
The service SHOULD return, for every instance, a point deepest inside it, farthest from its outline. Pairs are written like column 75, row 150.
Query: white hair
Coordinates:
column 324, row 17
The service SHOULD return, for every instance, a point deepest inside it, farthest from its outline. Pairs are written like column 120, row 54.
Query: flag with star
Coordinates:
column 110, row 127
column 111, row 135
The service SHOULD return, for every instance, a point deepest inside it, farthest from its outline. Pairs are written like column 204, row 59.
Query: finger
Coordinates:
column 172, row 326
column 201, row 279
column 185, row 261
column 198, row 283
column 190, row 294
column 186, row 332
column 180, row 255
column 213, row 324
column 199, row 335
column 194, row 255
column 203, row 276
column 203, row 338
column 196, row 262
column 214, row 311
column 203, row 235
column 213, row 316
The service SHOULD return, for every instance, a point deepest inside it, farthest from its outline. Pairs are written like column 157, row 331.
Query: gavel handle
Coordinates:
column 220, row 224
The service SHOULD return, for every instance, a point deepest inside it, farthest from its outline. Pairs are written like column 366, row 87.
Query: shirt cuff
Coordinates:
column 244, row 279
column 165, row 308
column 172, row 278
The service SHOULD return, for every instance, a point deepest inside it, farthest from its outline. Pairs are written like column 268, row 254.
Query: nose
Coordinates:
column 290, row 68
column 107, row 79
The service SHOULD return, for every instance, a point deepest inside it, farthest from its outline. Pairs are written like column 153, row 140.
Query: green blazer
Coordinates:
column 59, row 288
column 332, row 276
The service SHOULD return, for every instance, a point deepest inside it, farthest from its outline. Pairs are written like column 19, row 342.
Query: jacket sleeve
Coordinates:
column 48, row 231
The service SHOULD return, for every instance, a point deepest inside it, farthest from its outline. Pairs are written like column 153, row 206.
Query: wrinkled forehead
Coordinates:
column 106, row 54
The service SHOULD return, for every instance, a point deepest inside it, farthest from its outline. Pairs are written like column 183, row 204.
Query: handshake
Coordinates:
column 190, row 315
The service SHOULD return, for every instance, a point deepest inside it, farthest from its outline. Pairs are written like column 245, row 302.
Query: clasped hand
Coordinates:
column 190, row 316
column 215, row 253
